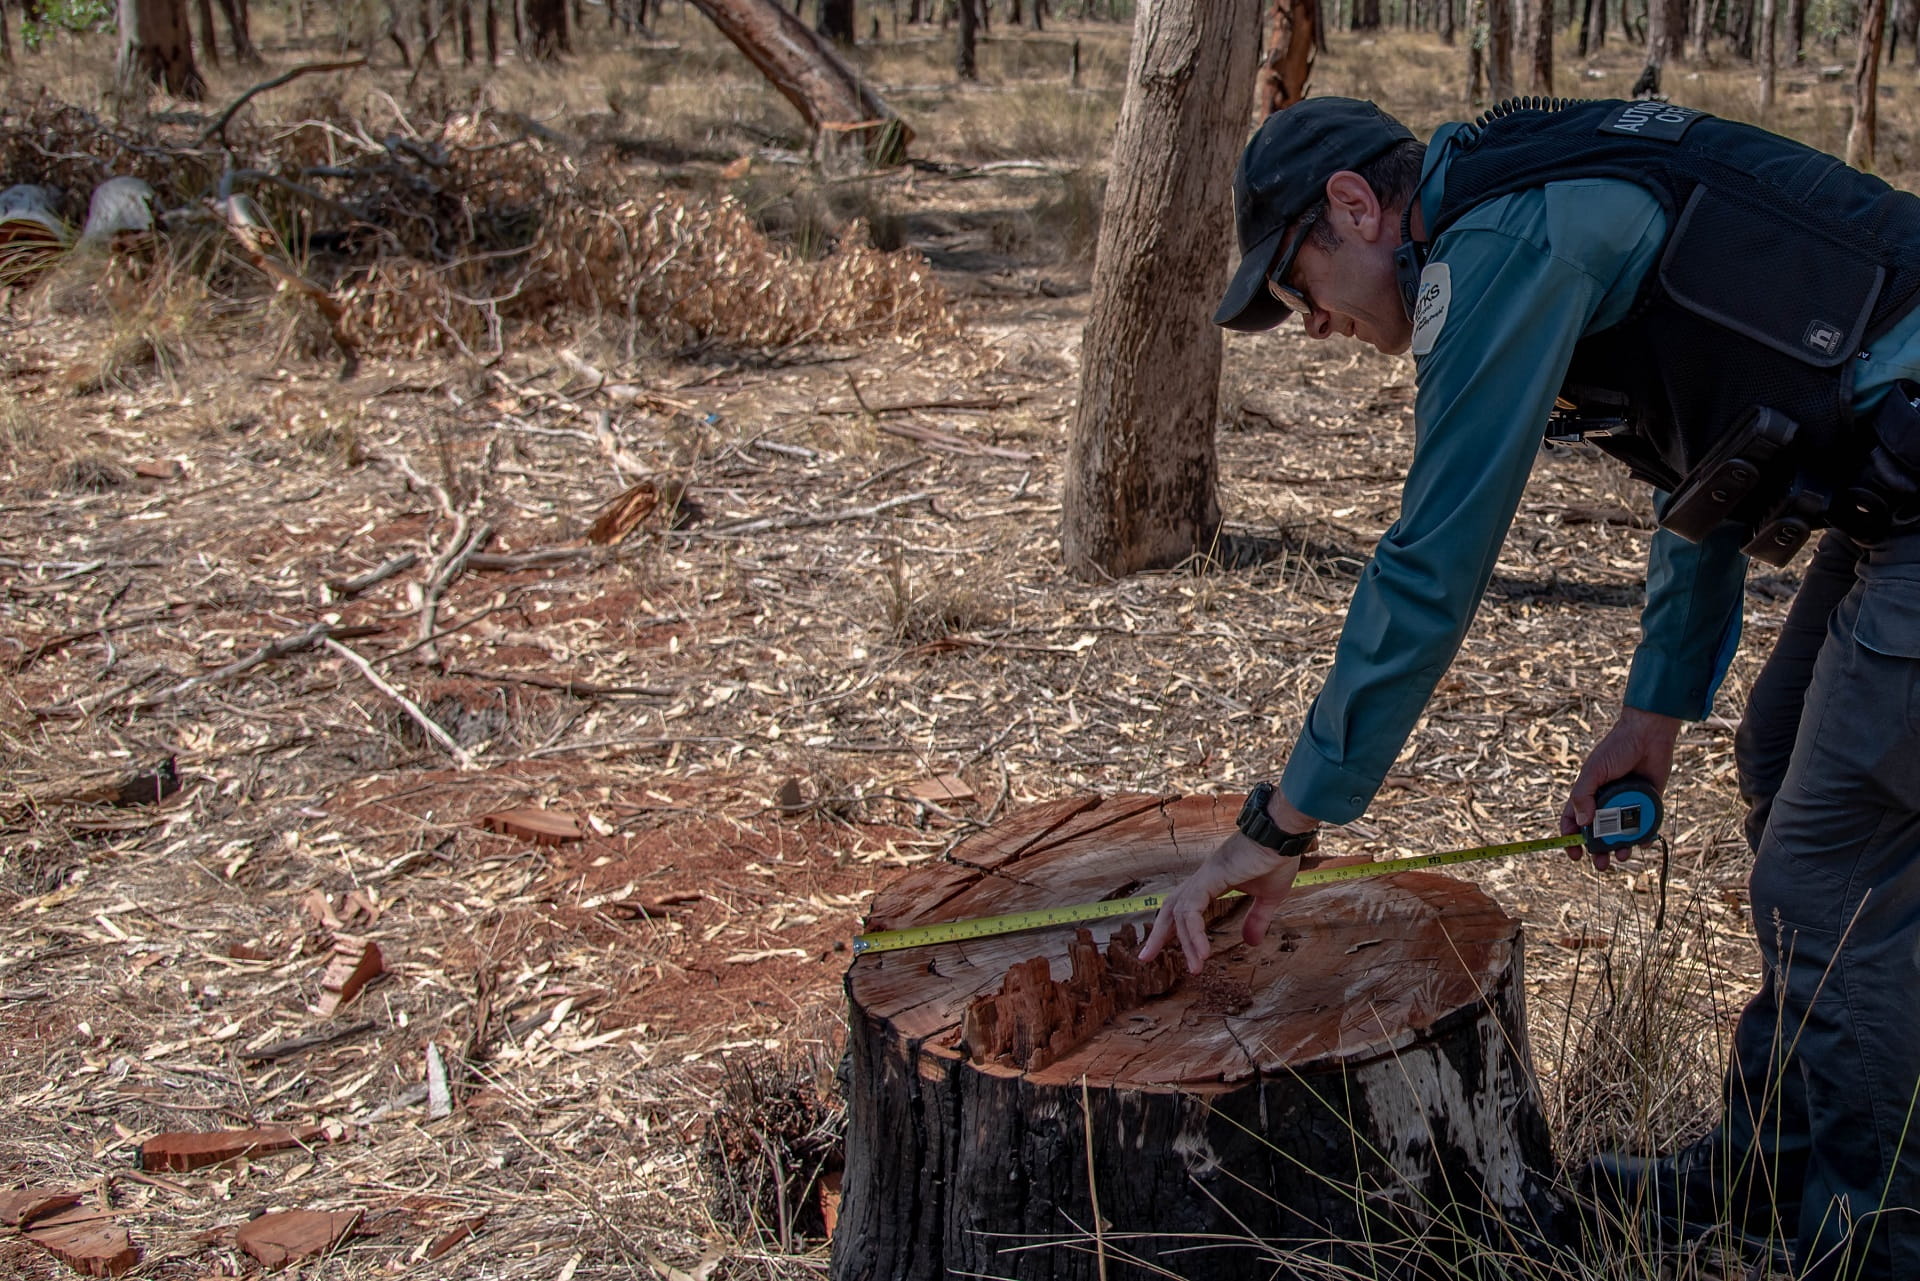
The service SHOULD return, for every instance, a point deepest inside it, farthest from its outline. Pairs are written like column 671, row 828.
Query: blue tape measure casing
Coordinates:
column 1626, row 813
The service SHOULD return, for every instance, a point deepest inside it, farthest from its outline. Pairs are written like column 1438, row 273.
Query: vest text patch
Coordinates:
column 1659, row 121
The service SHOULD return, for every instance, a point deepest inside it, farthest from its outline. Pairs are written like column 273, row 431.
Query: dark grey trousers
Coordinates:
column 1820, row 1119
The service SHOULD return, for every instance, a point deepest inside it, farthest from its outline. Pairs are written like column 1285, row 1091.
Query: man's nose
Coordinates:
column 1317, row 323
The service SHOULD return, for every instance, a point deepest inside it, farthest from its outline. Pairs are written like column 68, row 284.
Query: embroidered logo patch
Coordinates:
column 1824, row 337
column 1660, row 121
column 1430, row 306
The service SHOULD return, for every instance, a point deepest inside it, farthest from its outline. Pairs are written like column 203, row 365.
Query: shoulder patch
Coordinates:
column 1430, row 306
column 1660, row 121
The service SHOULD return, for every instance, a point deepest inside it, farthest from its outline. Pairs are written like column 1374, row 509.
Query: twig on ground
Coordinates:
column 764, row 523
column 443, row 578
column 407, row 705
column 292, row 643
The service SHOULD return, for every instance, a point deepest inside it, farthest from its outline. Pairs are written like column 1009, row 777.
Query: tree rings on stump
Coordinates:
column 1041, row 1105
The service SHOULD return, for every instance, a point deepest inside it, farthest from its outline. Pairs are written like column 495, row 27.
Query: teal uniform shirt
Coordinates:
column 1510, row 288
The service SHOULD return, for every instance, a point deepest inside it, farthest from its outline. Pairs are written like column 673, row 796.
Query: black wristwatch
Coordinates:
column 1257, row 826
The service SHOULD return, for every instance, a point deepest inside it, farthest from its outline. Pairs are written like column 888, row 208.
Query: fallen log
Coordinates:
column 1044, row 1105
column 848, row 118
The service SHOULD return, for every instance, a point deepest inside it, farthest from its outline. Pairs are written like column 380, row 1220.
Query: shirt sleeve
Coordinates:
column 1691, row 624
column 1516, row 308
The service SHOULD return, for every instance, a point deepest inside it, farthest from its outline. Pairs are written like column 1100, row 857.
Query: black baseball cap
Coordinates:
column 1283, row 173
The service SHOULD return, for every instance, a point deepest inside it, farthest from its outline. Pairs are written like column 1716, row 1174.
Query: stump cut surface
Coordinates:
column 1349, row 972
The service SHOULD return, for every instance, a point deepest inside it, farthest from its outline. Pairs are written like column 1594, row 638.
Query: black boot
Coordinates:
column 1676, row 1200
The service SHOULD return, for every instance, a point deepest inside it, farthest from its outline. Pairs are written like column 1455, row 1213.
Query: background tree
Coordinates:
column 1540, row 42
column 156, row 48
column 1665, row 23
column 1796, row 30
column 1866, row 85
column 1141, row 469
column 546, row 29
column 209, row 38
column 1499, row 49
column 836, row 20
column 965, row 63
column 1769, row 19
column 6, row 38
column 1287, row 64
column 239, row 32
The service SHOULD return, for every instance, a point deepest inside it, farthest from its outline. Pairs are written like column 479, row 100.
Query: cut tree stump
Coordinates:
column 1362, row 1075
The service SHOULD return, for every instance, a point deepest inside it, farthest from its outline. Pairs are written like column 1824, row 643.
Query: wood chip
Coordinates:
column 541, row 827
column 454, row 1236
column 158, row 469
column 790, row 799
column 292, row 1235
column 90, row 1244
column 943, row 789
column 624, row 514
column 21, row 1208
column 356, row 962
column 190, row 1150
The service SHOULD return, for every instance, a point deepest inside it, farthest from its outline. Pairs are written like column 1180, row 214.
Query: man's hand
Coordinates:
column 1237, row 863
column 1639, row 743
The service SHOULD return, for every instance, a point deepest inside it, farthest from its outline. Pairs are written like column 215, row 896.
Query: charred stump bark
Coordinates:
column 1043, row 1106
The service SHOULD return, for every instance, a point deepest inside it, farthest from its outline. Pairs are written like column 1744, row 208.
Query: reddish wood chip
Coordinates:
column 944, row 789
column 18, row 1209
column 91, row 1245
column 542, row 827
column 356, row 962
column 189, row 1150
column 291, row 1235
column 157, row 469
column 454, row 1236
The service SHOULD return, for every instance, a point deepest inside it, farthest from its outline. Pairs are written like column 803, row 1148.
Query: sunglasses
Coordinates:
column 1294, row 298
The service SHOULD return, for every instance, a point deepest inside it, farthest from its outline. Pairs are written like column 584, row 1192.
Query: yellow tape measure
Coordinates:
column 1040, row 918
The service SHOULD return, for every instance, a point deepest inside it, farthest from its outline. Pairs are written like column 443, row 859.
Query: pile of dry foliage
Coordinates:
column 472, row 231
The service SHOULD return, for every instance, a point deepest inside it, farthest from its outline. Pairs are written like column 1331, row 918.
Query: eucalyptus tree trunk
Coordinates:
column 1866, row 85
column 209, row 38
column 546, row 29
column 1768, row 21
column 1540, row 31
column 156, row 47
column 1500, row 49
column 1141, row 467
column 239, row 32
column 1796, row 31
column 1287, row 64
column 965, row 61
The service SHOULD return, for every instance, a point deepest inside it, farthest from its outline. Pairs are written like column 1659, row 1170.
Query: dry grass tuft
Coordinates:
column 773, row 1149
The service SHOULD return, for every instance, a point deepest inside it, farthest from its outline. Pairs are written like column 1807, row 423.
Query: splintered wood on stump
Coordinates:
column 1362, row 1075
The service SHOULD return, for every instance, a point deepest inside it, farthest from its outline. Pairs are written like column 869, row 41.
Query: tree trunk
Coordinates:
column 1796, row 31
column 240, row 32
column 847, row 116
column 1768, row 22
column 1540, row 64
column 965, row 60
column 1287, row 65
column 1500, row 49
column 1358, row 1080
column 1699, row 26
column 1662, row 35
column 429, row 33
column 1476, row 50
column 463, row 18
column 1446, row 21
column 209, row 38
column 546, row 35
column 836, row 20
column 1866, row 86
column 1141, row 469
column 492, row 25
column 6, row 37
column 1366, row 15
column 156, row 48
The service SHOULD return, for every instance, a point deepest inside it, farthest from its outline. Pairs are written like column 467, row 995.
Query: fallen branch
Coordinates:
column 764, row 523
column 407, row 705
column 947, row 442
column 219, row 126
column 292, row 643
column 347, row 588
column 301, row 1044
column 450, row 569
column 241, row 225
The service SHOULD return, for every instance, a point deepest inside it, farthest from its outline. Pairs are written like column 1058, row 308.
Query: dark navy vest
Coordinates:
column 1781, row 266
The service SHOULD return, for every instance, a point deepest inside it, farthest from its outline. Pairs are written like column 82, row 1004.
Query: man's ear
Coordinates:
column 1353, row 207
